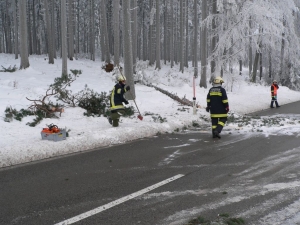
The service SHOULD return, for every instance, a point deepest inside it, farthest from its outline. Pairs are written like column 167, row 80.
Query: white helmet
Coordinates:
column 218, row 80
column 121, row 77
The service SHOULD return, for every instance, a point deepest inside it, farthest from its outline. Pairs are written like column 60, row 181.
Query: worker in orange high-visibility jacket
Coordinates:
column 274, row 88
column 218, row 106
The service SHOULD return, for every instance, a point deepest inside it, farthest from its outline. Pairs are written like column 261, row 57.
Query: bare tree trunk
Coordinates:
column 23, row 36
column 1, row 36
column 34, row 33
column 151, row 35
column 5, row 26
column 250, row 52
column 165, row 32
column 255, row 65
column 109, row 26
column 186, row 54
column 134, row 33
column 1, row 49
column 71, row 30
column 195, row 47
column 116, row 26
column 203, row 42
column 144, row 53
column 92, row 30
column 258, row 58
column 241, row 66
column 158, row 35
column 53, row 28
column 104, row 31
column 270, row 64
column 176, row 33
column 281, row 73
column 172, row 35
column 181, row 54
column 64, row 38
column 128, row 49
column 139, row 35
column 260, row 66
column 102, row 41
column 29, row 31
column 250, row 58
column 16, row 42
column 78, row 22
column 49, row 33
column 58, row 28
column 214, row 38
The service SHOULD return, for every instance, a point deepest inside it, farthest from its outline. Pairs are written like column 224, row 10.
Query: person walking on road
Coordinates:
column 117, row 99
column 274, row 89
column 218, row 106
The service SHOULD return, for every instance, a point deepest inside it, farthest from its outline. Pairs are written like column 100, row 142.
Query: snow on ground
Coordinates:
column 21, row 143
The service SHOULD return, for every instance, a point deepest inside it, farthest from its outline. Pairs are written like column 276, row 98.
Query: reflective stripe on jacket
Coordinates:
column 217, row 102
column 117, row 97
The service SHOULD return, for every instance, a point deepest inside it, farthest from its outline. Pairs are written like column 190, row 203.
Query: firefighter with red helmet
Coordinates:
column 218, row 106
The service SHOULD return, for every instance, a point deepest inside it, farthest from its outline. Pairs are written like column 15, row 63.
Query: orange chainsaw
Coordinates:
column 51, row 129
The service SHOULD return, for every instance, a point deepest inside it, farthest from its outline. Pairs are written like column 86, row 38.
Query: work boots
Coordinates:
column 216, row 134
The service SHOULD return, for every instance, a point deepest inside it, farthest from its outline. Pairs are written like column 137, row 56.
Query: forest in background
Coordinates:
column 218, row 35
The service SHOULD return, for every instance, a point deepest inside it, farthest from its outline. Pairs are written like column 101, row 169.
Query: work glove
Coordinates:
column 126, row 102
column 227, row 109
column 127, row 88
column 274, row 98
column 207, row 109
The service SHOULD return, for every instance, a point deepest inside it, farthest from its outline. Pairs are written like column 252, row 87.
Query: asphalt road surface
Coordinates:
column 163, row 180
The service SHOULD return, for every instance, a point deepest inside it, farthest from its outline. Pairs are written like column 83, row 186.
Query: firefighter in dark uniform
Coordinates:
column 117, row 99
column 217, row 105
column 274, row 89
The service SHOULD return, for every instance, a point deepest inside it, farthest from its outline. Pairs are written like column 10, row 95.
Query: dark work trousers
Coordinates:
column 218, row 123
column 115, row 116
column 274, row 99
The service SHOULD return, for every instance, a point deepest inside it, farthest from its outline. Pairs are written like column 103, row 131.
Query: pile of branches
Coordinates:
column 10, row 69
column 58, row 90
column 95, row 104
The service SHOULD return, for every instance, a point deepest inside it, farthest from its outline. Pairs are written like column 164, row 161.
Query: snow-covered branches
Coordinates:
column 262, row 25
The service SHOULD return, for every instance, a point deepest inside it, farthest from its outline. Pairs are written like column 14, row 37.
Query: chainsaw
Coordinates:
column 51, row 129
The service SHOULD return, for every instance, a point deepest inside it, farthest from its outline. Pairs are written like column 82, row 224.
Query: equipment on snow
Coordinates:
column 53, row 133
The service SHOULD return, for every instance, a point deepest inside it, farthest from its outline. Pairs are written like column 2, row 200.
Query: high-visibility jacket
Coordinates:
column 217, row 102
column 274, row 89
column 117, row 97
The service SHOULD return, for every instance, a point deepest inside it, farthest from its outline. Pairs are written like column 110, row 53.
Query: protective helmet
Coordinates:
column 218, row 80
column 121, row 77
column 274, row 81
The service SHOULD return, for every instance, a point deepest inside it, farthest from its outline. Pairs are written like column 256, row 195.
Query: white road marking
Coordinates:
column 118, row 201
column 170, row 158
column 178, row 146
